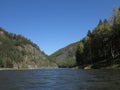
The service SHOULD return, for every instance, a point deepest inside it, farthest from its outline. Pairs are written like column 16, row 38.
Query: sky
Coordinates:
column 54, row 24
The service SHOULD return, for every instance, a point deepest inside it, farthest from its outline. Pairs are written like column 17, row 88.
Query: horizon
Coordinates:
column 53, row 24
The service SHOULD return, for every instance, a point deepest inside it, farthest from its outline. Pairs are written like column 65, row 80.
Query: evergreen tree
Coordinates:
column 102, row 44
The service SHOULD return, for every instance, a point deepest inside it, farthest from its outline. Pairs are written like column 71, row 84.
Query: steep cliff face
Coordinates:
column 19, row 52
column 65, row 57
column 32, row 58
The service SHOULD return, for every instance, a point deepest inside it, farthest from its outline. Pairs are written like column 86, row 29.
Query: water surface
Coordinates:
column 60, row 79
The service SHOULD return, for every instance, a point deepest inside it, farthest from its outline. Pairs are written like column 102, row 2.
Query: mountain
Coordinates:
column 65, row 57
column 18, row 52
column 99, row 49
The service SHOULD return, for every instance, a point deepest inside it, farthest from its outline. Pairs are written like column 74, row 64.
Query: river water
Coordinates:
column 60, row 79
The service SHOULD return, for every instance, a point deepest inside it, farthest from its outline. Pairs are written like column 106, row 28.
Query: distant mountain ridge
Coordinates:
column 65, row 57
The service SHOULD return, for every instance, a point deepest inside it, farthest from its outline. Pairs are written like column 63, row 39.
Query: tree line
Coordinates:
column 101, row 46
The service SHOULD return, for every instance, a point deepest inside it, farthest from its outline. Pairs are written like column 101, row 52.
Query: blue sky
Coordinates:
column 53, row 24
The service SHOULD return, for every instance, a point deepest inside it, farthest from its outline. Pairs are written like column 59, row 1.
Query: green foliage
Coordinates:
column 101, row 46
column 66, row 63
column 79, row 53
column 9, row 52
column 65, row 57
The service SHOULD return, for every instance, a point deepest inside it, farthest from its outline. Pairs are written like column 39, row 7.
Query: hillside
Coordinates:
column 101, row 46
column 18, row 52
column 99, row 49
column 65, row 57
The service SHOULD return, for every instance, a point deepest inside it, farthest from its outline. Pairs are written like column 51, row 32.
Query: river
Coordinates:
column 60, row 79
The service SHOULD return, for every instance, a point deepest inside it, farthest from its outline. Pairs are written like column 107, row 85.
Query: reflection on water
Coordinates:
column 60, row 79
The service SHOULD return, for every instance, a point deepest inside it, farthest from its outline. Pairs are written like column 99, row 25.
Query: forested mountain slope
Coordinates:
column 101, row 47
column 65, row 57
column 19, row 52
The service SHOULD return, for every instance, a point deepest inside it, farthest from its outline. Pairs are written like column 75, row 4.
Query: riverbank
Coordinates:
column 114, row 66
column 28, row 68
